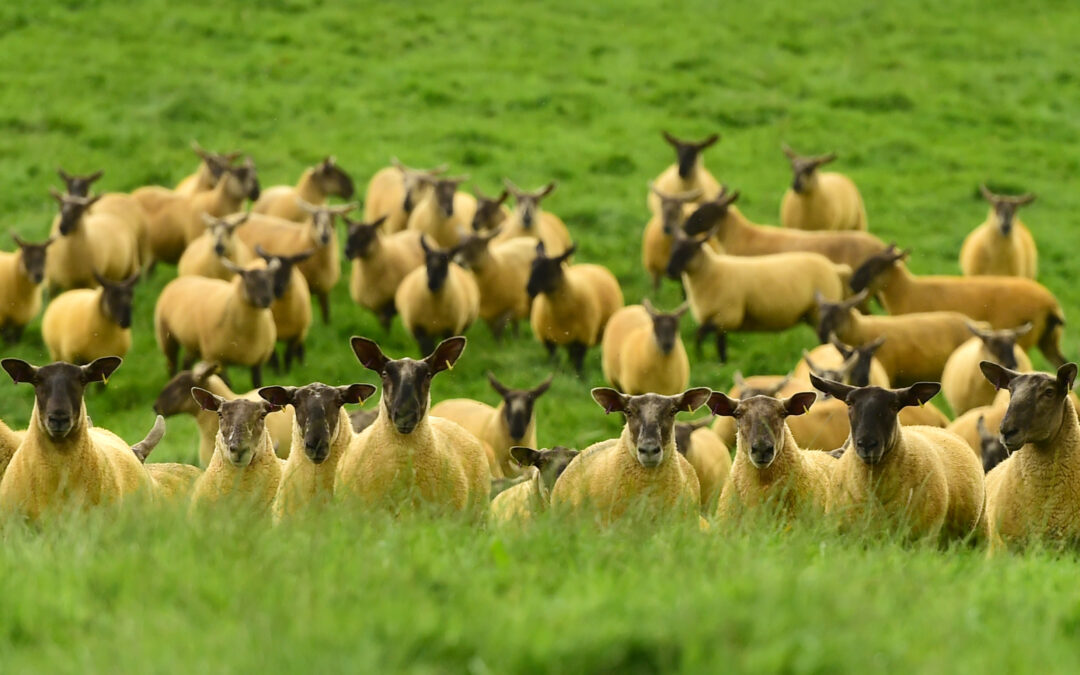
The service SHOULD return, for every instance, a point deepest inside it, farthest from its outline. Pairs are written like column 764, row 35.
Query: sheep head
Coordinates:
column 1036, row 402
column 76, row 185
column 991, row 449
column 672, row 206
column 414, row 188
column 283, row 269
column 999, row 346
column 72, row 210
column 650, row 419
column 546, row 273
column 241, row 424
column 117, row 298
column 175, row 397
column 688, row 152
column 527, row 204
column 665, row 325
column 872, row 273
column 805, row 169
column 58, row 390
column 863, row 355
column 257, row 283
column 317, row 407
column 332, row 179
column 684, row 249
column 1005, row 207
column 360, row 236
column 760, row 421
column 489, row 211
column 518, row 404
column 551, row 463
column 32, row 257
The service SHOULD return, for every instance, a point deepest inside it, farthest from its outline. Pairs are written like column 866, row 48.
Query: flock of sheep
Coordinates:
column 441, row 259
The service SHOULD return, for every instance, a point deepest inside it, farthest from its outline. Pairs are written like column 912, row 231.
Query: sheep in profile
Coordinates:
column 204, row 255
column 820, row 200
column 438, row 300
column 531, row 496
column 21, row 274
column 394, row 192
column 656, row 240
column 529, row 220
column 708, row 455
column 963, row 383
column 380, row 262
column 687, row 173
column 1002, row 245
column 491, row 212
column 436, row 216
column 316, row 184
column 85, row 324
column 85, row 242
column 643, row 352
column 502, row 274
column 291, row 308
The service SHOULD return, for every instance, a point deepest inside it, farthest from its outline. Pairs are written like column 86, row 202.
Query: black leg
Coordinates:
column 551, row 347
column 256, row 376
column 515, row 328
column 721, row 345
column 324, row 305
column 386, row 315
column 424, row 342
column 301, row 353
column 703, row 332
column 290, row 350
column 576, row 351
column 273, row 362
column 172, row 354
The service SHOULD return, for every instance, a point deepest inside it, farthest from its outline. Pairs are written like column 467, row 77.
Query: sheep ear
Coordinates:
column 547, row 189
column 704, row 218
column 541, row 252
column 610, row 400
column 279, row 396
column 1024, row 200
column 708, row 142
column 542, row 388
column 671, row 140
column 568, row 252
column 1066, row 375
column 800, row 403
column 692, row 399
column 19, row 370
column 496, row 385
column 918, row 393
column 368, row 353
column 525, row 456
column 356, row 393
column 721, row 404
column 999, row 376
column 99, row 370
column 1022, row 330
column 835, row 389
column 445, row 355
column 206, row 400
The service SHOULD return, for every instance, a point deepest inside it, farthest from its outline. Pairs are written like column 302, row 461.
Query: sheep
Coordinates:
column 923, row 480
column 211, row 166
column 491, row 212
column 1002, row 245
column 243, row 466
column 643, row 352
column 656, row 240
column 966, row 425
column 641, row 469
column 770, row 467
column 687, row 173
column 708, row 455
column 435, row 216
column 316, row 184
column 321, row 434
column 980, row 298
column 729, row 293
column 755, row 385
column 175, row 399
column 962, row 381
column 511, row 423
column 86, row 242
column 854, row 365
column 125, row 207
column 502, row 273
column 991, row 450
column 820, row 200
column 204, row 255
column 9, row 443
column 380, row 262
column 1032, row 495
column 282, row 237
column 225, row 322
column 394, row 192
column 530, row 221
column 83, row 325
column 571, row 304
column 62, row 461
column 21, row 274
column 291, row 308
column 531, row 496
column 438, row 300
column 407, row 456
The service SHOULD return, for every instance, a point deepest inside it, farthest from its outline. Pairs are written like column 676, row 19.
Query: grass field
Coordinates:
column 922, row 101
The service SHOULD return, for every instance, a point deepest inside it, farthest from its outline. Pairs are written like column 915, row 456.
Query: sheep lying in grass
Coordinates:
column 291, row 308
column 923, row 480
column 961, row 380
column 21, row 274
column 438, row 300
column 529, row 220
column 435, row 216
column 316, row 184
column 502, row 273
column 491, row 212
column 687, row 173
column 1002, row 245
column 83, row 325
column 407, row 456
column 656, row 240
column 531, row 496
column 820, row 200
column 85, row 242
column 642, row 351
column 571, row 304
column 1032, row 494
column 321, row 434
column 642, row 469
column 204, row 255
column 394, row 192
column 770, row 468
column 708, row 455
column 379, row 264
column 979, row 297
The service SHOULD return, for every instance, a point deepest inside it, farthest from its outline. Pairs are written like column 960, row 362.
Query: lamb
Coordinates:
column 211, row 166
column 729, row 293
column 394, row 192
column 687, row 173
column 820, row 200
column 435, row 216
column 924, row 481
column 708, row 455
column 225, row 322
column 529, row 220
column 963, row 383
column 316, row 184
column 406, row 456
column 502, row 273
column 571, row 304
column 125, row 207
column 320, row 436
column 380, row 262
column 1031, row 496
column 770, row 468
column 439, row 300
column 86, row 242
column 204, row 255
column 243, row 467
column 531, row 496
column 62, row 461
column 491, row 212
column 643, row 352
column 641, row 470
column 656, row 240
column 511, row 423
column 21, row 274
column 979, row 297
column 1002, row 245
column 291, row 308
column 84, row 325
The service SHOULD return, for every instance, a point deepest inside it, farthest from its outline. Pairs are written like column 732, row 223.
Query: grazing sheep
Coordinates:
column 642, row 351
column 820, row 200
column 85, row 242
column 379, row 264
column 529, row 220
column 922, row 480
column 502, row 273
column 225, row 322
column 407, row 456
column 901, row 292
column 656, row 240
column 571, row 304
column 316, row 184
column 435, row 215
column 394, row 192
column 291, row 308
column 85, row 324
column 729, row 293
column 321, row 434
column 642, row 469
column 491, row 212
column 211, row 166
column 243, row 466
column 708, row 455
column 1002, row 245
column 687, row 173
column 204, row 255
column 963, row 383
column 532, row 495
column 21, row 274
column 438, row 300
column 500, row 428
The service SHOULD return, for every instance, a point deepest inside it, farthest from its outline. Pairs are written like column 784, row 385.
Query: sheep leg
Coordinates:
column 386, row 315
column 515, row 328
column 576, row 352
column 288, row 352
column 256, row 376
column 324, row 305
column 703, row 332
column 301, row 352
column 171, row 348
column 551, row 347
column 721, row 346
column 273, row 362
column 498, row 325
column 424, row 341
column 1050, row 342
column 656, row 282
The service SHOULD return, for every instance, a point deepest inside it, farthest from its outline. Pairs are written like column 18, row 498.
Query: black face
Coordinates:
column 683, row 251
column 333, row 180
column 72, row 210
column 322, row 221
column 282, row 267
column 318, row 408
column 686, row 152
column 527, row 204
column 444, row 195
column 551, row 463
column 859, row 375
column 518, row 405
column 437, row 263
column 1000, row 344
column 32, row 261
column 834, row 317
column 249, row 179
column 489, row 212
column 79, row 186
column 650, row 418
column 361, row 237
column 992, row 450
column 1036, row 403
column 666, row 331
column 58, row 390
column 546, row 273
column 259, row 286
column 116, row 299
column 874, row 267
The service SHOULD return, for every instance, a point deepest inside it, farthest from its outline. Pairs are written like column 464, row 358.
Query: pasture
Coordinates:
column 921, row 101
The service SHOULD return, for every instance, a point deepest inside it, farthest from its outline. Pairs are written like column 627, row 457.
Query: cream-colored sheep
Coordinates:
column 755, row 385
column 530, row 221
column 687, row 173
column 436, row 215
column 1002, row 245
column 204, row 255
column 708, row 455
column 123, row 206
column 21, row 274
column 642, row 351
column 85, row 242
column 379, row 263
column 10, row 440
column 316, row 184
column 963, row 383
column 291, row 308
column 491, row 212
column 170, row 480
column 854, row 365
column 211, row 166
column 85, row 324
column 531, row 496
column 394, row 192
column 438, row 300
column 656, row 239
column 502, row 273
column 820, row 200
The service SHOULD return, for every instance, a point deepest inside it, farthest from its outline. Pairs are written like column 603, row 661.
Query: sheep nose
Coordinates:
column 763, row 448
column 867, row 444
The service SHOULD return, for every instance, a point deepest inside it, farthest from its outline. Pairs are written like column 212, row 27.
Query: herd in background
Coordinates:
column 441, row 259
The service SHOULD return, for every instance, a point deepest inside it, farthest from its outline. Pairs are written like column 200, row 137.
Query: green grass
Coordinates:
column 922, row 101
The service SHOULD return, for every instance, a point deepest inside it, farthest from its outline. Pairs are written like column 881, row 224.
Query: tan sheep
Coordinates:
column 708, row 455
column 820, row 200
column 171, row 481
column 316, row 184
column 436, row 215
column 379, row 264
column 755, row 385
column 531, row 496
column 394, row 192
column 291, row 308
column 491, row 212
column 963, row 383
column 9, row 443
column 687, row 173
column 438, row 300
column 966, row 425
column 21, row 274
column 204, row 255
column 854, row 365
column 211, row 166
column 642, row 351
column 530, row 221
column 84, row 325
column 85, row 242
column 502, row 273
column 656, row 240
column 1002, row 245
column 123, row 206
